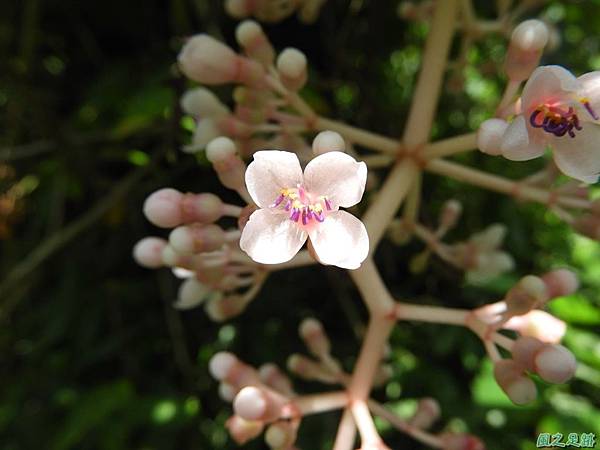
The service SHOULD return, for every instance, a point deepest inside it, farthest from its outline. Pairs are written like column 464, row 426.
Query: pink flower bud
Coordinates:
column 528, row 293
column 555, row 363
column 273, row 377
column 281, row 435
column 220, row 310
column 197, row 238
column 203, row 208
column 163, row 208
column 291, row 65
column 202, row 103
column 489, row 136
column 242, row 430
column 525, row 49
column 253, row 403
column 227, row 368
column 148, row 252
column 456, row 441
column 230, row 169
column 428, row 411
column 538, row 324
column 191, row 294
column 517, row 386
column 560, row 282
column 232, row 126
column 227, row 392
column 312, row 333
column 524, row 351
column 208, row 61
column 251, row 37
column 239, row 9
column 328, row 141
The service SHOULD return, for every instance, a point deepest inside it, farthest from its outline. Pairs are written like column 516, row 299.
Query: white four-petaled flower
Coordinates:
column 296, row 206
column 558, row 111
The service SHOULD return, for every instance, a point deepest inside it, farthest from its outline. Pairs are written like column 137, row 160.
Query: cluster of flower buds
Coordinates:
column 274, row 10
column 552, row 362
column 257, row 119
column 199, row 251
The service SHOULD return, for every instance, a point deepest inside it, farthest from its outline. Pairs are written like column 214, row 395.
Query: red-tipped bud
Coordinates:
column 253, row 403
column 222, row 153
column 312, row 333
column 148, row 252
column 560, row 282
column 208, row 61
column 251, row 37
column 328, row 141
column 273, row 377
column 191, row 294
column 461, row 441
column 197, row 238
column 242, row 430
column 525, row 49
column 555, row 363
column 428, row 411
column 291, row 65
column 489, row 136
column 517, row 386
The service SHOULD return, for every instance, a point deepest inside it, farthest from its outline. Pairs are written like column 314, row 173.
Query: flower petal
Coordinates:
column 270, row 237
column 338, row 176
column 271, row 171
column 579, row 157
column 341, row 240
column 548, row 84
column 516, row 143
column 590, row 83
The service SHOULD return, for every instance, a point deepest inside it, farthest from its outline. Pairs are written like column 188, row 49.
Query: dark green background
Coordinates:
column 91, row 354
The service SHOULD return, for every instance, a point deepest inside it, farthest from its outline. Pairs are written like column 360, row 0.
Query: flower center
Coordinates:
column 558, row 121
column 302, row 205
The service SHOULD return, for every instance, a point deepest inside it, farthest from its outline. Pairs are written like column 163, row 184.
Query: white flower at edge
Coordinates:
column 296, row 206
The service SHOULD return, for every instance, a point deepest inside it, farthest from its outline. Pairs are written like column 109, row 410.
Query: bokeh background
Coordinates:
column 92, row 355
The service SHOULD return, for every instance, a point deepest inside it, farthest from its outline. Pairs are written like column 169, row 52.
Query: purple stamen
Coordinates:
column 319, row 216
column 590, row 110
column 295, row 214
column 327, row 204
column 556, row 121
column 288, row 204
column 304, row 221
column 532, row 118
column 278, row 201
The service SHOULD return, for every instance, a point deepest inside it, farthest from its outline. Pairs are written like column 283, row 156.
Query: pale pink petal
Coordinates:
column 579, row 157
column 516, row 143
column 270, row 237
column 338, row 176
column 548, row 84
column 341, row 240
column 590, row 83
column 271, row 171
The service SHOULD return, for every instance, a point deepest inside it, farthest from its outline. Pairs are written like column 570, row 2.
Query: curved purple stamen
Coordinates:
column 556, row 121
column 587, row 106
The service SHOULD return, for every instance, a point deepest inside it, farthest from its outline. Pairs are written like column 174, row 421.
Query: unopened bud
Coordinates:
column 220, row 310
column 328, row 141
column 251, row 37
column 450, row 214
column 555, row 363
column 280, row 435
column 291, row 65
column 273, row 377
column 489, row 136
column 525, row 49
column 312, row 333
column 461, row 441
column 230, row 169
column 239, row 9
column 163, row 208
column 201, row 102
column 560, row 282
column 197, row 238
column 227, row 368
column 428, row 411
column 206, row 130
column 517, row 386
column 253, row 403
column 540, row 325
column 208, row 61
column 308, row 369
column 227, row 392
column 148, row 252
column 242, row 430
column 191, row 294
column 528, row 293
column 524, row 350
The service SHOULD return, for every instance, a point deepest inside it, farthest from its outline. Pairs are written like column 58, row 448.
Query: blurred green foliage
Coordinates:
column 92, row 355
